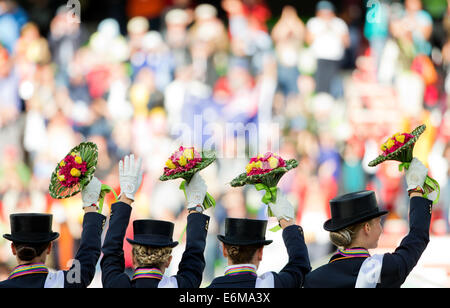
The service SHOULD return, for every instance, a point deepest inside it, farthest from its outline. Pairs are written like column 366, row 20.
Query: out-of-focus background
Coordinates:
column 325, row 83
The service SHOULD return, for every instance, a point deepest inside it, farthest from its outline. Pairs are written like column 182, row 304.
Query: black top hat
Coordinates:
column 243, row 232
column 31, row 228
column 352, row 208
column 154, row 233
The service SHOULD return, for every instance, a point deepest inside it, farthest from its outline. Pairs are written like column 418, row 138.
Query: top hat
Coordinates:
column 243, row 232
column 352, row 208
column 31, row 228
column 154, row 233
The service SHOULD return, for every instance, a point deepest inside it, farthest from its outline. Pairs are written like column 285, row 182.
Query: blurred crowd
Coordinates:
column 326, row 89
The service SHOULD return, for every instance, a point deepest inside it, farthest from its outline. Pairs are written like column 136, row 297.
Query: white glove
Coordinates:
column 91, row 193
column 130, row 176
column 416, row 174
column 282, row 208
column 195, row 191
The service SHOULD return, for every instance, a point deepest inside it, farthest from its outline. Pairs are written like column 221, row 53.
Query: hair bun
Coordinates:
column 341, row 238
column 26, row 253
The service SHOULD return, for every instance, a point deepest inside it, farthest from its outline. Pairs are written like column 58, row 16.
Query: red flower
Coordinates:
column 64, row 173
column 189, row 162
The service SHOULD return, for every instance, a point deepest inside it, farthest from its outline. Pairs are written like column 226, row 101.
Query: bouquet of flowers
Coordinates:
column 184, row 163
column 75, row 171
column 264, row 172
column 400, row 147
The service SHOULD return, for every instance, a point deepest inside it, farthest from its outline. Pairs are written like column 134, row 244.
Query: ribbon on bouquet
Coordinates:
column 105, row 189
column 431, row 188
column 269, row 197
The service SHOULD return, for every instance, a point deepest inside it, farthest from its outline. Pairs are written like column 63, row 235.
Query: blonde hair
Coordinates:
column 344, row 238
column 145, row 256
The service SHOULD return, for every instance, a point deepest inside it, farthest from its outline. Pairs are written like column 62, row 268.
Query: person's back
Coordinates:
column 152, row 242
column 243, row 244
column 355, row 227
column 32, row 237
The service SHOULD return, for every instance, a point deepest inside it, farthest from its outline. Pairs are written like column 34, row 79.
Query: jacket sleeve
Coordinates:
column 113, row 260
column 398, row 265
column 293, row 274
column 192, row 264
column 82, row 272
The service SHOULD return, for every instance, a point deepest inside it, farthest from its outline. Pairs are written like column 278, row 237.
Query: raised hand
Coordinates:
column 130, row 176
column 282, row 208
column 90, row 195
column 416, row 174
column 195, row 192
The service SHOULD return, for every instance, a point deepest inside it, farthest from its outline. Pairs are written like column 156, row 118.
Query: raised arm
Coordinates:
column 113, row 261
column 398, row 265
column 190, row 269
column 293, row 274
column 82, row 271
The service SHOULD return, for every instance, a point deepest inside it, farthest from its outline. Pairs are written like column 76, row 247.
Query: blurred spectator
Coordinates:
column 419, row 26
column 176, row 35
column 12, row 19
column 9, row 84
column 137, row 28
column 249, row 37
column 255, row 11
column 352, row 16
column 352, row 175
column 65, row 39
column 288, row 35
column 376, row 28
column 209, row 44
column 157, row 57
column 151, row 9
column 328, row 36
column 207, row 26
column 237, row 93
column 144, row 94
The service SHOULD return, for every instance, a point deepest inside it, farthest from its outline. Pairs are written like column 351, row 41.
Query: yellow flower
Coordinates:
column 383, row 147
column 170, row 164
column 74, row 154
column 258, row 164
column 400, row 138
column 61, row 177
column 75, row 172
column 390, row 143
column 189, row 153
column 182, row 161
column 273, row 162
column 249, row 167
column 62, row 163
column 78, row 159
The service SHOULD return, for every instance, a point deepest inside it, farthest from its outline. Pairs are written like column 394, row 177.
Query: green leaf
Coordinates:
column 105, row 189
column 209, row 201
column 276, row 228
column 431, row 185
